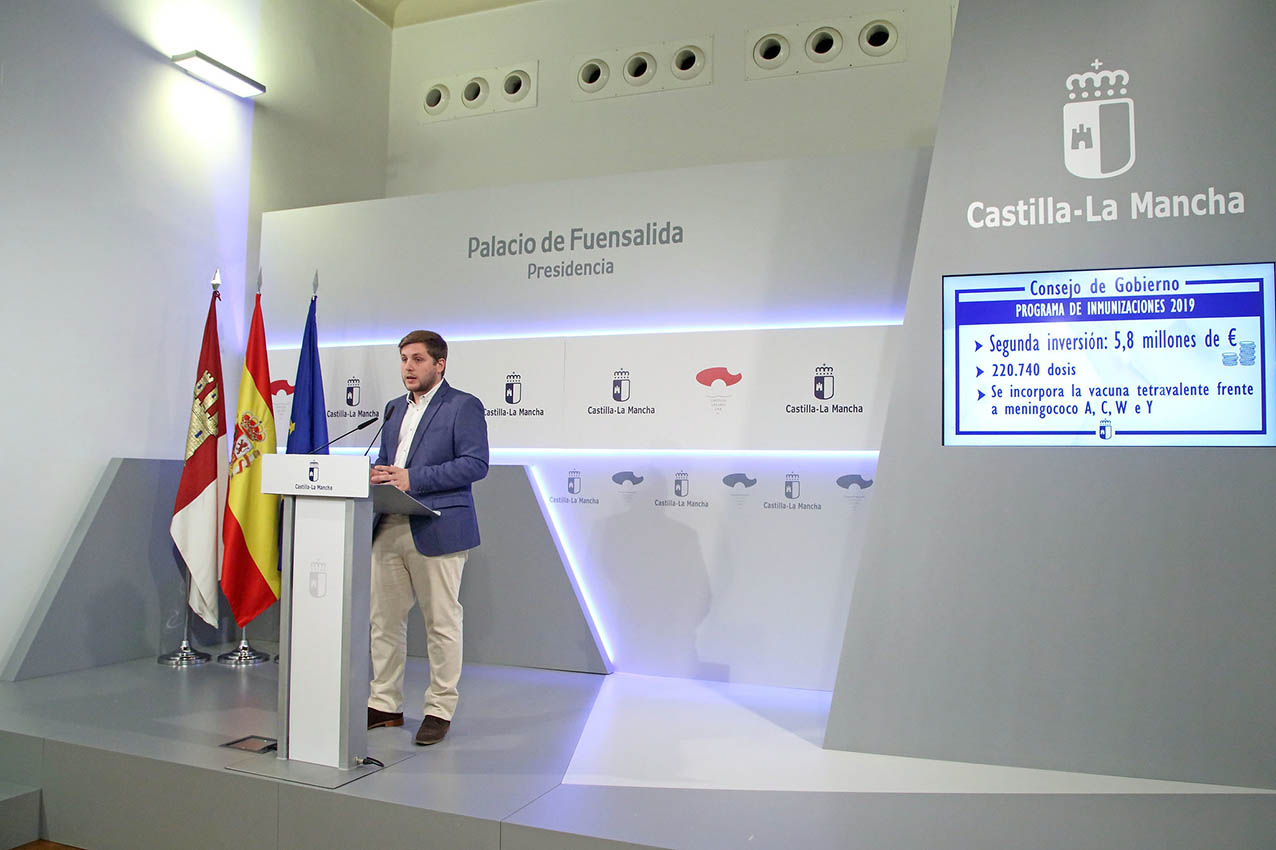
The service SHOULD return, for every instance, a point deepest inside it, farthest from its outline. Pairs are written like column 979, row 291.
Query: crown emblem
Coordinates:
column 1096, row 83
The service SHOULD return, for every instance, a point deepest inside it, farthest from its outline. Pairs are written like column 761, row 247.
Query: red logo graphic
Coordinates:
column 281, row 386
column 717, row 373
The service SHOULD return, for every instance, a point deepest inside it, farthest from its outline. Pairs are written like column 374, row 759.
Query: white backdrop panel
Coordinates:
column 729, row 390
column 688, row 575
column 357, row 382
column 520, row 383
column 739, row 390
column 825, row 241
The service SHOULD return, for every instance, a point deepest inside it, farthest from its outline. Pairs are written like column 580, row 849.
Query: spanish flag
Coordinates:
column 250, row 530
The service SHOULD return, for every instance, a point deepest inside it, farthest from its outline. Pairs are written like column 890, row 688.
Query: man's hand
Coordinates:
column 396, row 475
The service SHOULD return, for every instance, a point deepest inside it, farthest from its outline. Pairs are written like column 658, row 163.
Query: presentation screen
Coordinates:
column 1155, row 356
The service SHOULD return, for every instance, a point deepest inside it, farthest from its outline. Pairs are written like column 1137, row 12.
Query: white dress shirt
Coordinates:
column 412, row 418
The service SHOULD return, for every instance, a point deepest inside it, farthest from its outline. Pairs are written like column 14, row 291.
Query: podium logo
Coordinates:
column 681, row 485
column 792, row 486
column 352, row 392
column 318, row 579
column 513, row 388
column 1098, row 123
column 823, row 386
column 314, row 470
column 573, row 481
column 620, row 385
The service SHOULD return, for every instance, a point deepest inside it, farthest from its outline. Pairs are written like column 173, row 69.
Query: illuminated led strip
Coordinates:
column 796, row 326
column 514, row 455
column 573, row 574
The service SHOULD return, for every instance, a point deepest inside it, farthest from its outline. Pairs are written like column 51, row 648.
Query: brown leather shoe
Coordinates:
column 378, row 718
column 432, row 730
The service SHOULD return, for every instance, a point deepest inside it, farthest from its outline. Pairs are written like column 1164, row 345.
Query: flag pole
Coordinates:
column 185, row 655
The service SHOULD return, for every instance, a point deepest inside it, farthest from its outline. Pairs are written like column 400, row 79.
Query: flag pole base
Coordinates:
column 243, row 656
column 184, row 656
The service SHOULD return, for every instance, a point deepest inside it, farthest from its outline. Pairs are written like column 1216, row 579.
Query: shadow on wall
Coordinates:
column 642, row 559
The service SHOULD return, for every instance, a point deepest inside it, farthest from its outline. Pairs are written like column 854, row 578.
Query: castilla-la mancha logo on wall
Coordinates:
column 513, row 388
column 1098, row 123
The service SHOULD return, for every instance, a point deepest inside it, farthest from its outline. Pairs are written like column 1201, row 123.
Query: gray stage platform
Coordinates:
column 128, row 756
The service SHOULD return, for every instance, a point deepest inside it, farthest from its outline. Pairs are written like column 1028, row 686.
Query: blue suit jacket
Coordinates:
column 448, row 454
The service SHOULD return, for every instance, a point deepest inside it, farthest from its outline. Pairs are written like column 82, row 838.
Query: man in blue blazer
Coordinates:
column 434, row 447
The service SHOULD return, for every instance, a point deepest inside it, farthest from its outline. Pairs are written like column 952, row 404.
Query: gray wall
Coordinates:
column 886, row 107
column 1102, row 610
column 126, row 182
column 118, row 592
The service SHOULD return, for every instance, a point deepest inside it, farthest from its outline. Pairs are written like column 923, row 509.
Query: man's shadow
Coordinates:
column 651, row 583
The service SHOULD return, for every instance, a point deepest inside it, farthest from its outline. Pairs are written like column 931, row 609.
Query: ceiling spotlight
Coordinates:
column 215, row 73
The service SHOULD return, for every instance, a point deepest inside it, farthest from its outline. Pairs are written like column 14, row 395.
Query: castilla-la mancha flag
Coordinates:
column 196, row 525
column 250, row 566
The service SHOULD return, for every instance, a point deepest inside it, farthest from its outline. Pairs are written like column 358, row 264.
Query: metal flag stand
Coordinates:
column 185, row 655
column 243, row 655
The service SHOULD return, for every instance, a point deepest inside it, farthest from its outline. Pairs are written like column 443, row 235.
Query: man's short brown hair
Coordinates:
column 434, row 344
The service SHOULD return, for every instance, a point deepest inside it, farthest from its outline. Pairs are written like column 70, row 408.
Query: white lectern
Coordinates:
column 326, row 545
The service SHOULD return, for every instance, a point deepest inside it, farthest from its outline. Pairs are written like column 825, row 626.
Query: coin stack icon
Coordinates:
column 1229, row 359
column 1247, row 353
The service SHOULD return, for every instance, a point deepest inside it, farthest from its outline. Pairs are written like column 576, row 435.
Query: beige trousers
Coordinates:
column 401, row 576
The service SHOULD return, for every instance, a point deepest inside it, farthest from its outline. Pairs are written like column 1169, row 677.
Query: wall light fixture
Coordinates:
column 215, row 73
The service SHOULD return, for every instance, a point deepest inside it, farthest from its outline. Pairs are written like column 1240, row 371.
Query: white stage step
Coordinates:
column 19, row 815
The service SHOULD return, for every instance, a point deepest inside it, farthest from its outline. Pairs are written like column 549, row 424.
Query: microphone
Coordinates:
column 374, row 437
column 364, row 424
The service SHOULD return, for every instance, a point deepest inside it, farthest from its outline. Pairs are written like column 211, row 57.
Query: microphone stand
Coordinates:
column 364, row 424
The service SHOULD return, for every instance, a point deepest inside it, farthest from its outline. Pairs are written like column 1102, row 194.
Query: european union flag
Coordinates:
column 309, row 427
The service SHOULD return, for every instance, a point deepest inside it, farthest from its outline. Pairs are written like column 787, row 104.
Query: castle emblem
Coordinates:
column 352, row 392
column 318, row 579
column 203, row 420
column 513, row 388
column 1098, row 123
column 681, row 485
column 792, row 486
column 620, row 385
column 823, row 386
